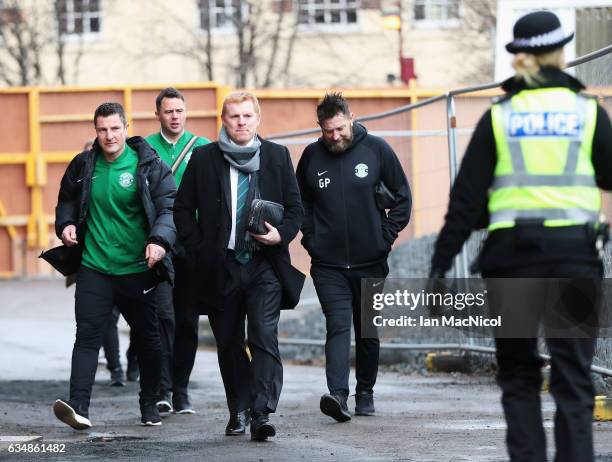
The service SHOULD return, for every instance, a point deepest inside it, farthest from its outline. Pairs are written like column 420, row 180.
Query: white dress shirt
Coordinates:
column 234, row 189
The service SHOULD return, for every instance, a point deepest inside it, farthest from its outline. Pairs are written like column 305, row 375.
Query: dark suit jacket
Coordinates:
column 205, row 189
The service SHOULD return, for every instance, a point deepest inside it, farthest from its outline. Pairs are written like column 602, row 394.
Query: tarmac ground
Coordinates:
column 434, row 417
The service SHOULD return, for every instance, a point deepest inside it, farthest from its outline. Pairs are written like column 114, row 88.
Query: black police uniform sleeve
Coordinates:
column 307, row 199
column 163, row 192
column 67, row 209
column 602, row 150
column 468, row 196
column 294, row 212
column 394, row 177
column 186, row 206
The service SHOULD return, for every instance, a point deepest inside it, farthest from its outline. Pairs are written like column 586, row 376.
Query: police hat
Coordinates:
column 538, row 32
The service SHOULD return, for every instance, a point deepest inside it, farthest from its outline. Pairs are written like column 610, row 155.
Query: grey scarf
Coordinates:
column 243, row 158
column 246, row 160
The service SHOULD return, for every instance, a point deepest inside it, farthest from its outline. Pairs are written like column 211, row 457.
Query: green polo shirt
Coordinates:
column 117, row 227
column 168, row 151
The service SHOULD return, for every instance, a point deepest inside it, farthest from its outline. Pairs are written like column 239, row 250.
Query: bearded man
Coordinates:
column 349, row 235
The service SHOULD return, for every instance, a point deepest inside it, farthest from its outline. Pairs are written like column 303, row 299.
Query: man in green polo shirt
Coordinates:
column 115, row 207
column 172, row 137
column 179, row 341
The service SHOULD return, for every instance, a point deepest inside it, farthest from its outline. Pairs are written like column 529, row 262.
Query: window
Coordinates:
column 327, row 12
column 79, row 17
column 436, row 12
column 221, row 14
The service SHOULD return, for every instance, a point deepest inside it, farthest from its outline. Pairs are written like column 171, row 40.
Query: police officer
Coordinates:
column 535, row 161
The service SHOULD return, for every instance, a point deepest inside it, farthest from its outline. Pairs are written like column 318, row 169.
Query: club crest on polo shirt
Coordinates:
column 126, row 179
column 543, row 124
column 361, row 170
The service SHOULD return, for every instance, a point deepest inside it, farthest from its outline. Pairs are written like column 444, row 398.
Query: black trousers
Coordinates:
column 519, row 377
column 165, row 320
column 96, row 295
column 339, row 291
column 186, row 329
column 251, row 291
column 165, row 314
column 111, row 343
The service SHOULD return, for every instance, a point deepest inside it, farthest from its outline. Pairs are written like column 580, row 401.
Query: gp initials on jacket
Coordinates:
column 323, row 182
column 530, row 124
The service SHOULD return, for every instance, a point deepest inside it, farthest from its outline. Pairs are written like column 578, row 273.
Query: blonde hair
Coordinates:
column 527, row 65
column 240, row 97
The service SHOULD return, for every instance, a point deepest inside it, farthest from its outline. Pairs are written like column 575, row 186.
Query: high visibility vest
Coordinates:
column 544, row 140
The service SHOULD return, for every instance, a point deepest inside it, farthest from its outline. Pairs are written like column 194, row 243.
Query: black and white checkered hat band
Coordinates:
column 547, row 39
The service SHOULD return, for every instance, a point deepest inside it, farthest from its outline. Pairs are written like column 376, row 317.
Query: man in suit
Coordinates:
column 238, row 274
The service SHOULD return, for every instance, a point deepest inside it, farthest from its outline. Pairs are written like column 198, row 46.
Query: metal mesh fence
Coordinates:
column 597, row 76
column 429, row 138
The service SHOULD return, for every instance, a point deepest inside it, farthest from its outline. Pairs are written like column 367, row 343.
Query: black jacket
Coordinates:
column 467, row 209
column 205, row 189
column 342, row 226
column 156, row 188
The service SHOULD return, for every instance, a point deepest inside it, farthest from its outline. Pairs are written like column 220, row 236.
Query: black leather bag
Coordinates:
column 385, row 199
column 66, row 260
column 262, row 211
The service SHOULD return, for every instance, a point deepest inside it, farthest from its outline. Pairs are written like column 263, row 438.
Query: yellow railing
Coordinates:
column 35, row 160
column 10, row 223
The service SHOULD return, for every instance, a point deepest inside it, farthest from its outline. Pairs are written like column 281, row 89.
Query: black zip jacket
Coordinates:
column 467, row 210
column 156, row 188
column 342, row 225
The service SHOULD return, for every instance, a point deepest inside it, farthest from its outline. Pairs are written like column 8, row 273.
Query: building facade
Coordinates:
column 256, row 43
column 591, row 20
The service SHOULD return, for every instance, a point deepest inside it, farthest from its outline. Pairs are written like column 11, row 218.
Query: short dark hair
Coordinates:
column 169, row 92
column 332, row 105
column 109, row 109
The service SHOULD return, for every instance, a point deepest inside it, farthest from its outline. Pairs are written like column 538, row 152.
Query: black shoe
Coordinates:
column 261, row 428
column 237, row 423
column 133, row 371
column 66, row 413
column 163, row 405
column 116, row 379
column 335, row 407
column 364, row 403
column 149, row 413
column 181, row 404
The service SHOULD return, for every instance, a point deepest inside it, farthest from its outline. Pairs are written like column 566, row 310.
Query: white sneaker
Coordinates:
column 164, row 406
column 64, row 412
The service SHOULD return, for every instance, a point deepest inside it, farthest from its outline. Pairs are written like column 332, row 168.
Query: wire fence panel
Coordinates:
column 597, row 76
column 419, row 134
